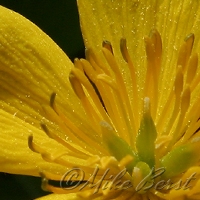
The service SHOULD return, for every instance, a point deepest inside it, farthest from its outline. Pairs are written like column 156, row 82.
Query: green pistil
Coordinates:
column 117, row 147
column 180, row 159
column 145, row 141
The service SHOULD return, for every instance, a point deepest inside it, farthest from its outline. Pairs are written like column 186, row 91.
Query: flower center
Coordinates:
column 139, row 143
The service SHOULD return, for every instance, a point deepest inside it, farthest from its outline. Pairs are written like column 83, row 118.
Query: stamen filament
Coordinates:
column 74, row 151
column 192, row 68
column 185, row 51
column 122, row 88
column 185, row 102
column 118, row 108
column 75, row 136
column 126, row 56
column 83, row 80
column 178, row 87
column 154, row 53
column 97, row 63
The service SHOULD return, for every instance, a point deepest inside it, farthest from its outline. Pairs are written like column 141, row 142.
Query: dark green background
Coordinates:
column 59, row 19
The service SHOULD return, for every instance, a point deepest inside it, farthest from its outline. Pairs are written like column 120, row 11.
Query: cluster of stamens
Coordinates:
column 126, row 132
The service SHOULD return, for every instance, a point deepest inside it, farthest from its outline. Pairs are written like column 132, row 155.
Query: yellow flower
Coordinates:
column 122, row 123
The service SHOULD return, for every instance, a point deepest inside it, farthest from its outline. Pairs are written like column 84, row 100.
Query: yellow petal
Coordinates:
column 15, row 155
column 60, row 197
column 64, row 197
column 32, row 67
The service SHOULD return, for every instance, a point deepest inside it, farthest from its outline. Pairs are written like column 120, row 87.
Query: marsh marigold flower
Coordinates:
column 123, row 123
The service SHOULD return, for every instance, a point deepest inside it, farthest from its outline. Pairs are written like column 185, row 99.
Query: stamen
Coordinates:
column 124, row 50
column 123, row 92
column 52, row 100
column 156, row 39
column 185, row 51
column 89, row 70
column 76, row 135
column 178, row 87
column 92, row 103
column 50, row 188
column 110, row 194
column 65, row 159
column 125, row 161
column 154, row 53
column 108, row 80
column 185, row 102
column 113, row 104
column 195, row 82
column 121, row 142
column 92, row 74
column 106, row 44
column 46, row 155
column 34, row 147
column 54, row 157
column 77, row 87
column 127, row 58
column 44, row 182
column 141, row 173
column 78, row 65
column 192, row 68
column 74, row 151
column 97, row 63
column 194, row 122
column 51, row 176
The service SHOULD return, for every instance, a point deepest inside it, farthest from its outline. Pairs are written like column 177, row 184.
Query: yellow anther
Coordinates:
column 124, row 50
column 185, row 100
column 178, row 84
column 53, row 157
column 51, row 176
column 127, row 58
column 89, row 70
column 44, row 182
column 153, row 46
column 122, row 97
column 76, row 85
column 108, row 80
column 34, row 147
column 30, row 144
column 77, row 64
column 52, row 100
column 97, row 63
column 156, row 39
column 59, row 140
column 185, row 51
column 192, row 68
column 125, row 161
column 150, row 49
column 106, row 44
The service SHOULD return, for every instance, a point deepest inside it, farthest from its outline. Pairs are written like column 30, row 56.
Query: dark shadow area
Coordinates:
column 59, row 19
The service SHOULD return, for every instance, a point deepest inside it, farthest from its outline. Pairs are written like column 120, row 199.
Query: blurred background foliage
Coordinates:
column 59, row 19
